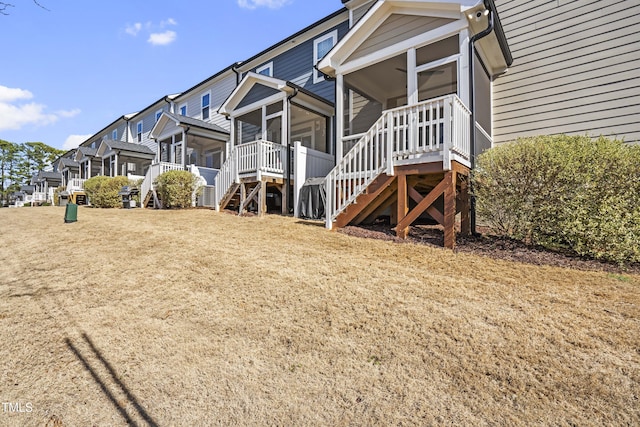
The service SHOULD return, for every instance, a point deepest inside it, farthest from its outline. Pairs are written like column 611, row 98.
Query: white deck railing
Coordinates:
column 251, row 159
column 432, row 130
column 75, row 184
column 153, row 172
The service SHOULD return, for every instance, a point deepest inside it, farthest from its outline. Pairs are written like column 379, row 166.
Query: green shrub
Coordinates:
column 176, row 189
column 102, row 191
column 564, row 192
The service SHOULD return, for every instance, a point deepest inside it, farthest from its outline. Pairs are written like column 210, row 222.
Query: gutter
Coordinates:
column 472, row 136
column 287, row 178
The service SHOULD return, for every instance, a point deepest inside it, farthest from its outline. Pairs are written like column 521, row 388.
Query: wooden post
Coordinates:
column 262, row 199
column 403, row 206
column 465, row 207
column 450, row 210
column 243, row 197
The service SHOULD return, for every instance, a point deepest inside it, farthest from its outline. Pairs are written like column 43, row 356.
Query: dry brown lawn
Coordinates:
column 189, row 318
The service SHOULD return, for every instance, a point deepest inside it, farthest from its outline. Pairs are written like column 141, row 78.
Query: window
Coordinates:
column 322, row 46
column 158, row 114
column 139, row 131
column 206, row 102
column 114, row 135
column 183, row 110
column 266, row 69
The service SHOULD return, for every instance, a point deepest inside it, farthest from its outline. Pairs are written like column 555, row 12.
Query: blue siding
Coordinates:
column 256, row 93
column 296, row 66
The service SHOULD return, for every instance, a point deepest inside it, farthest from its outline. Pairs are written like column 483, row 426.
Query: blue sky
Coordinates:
column 68, row 72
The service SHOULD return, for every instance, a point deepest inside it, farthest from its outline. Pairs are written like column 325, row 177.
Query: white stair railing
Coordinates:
column 153, row 172
column 227, row 176
column 401, row 135
column 75, row 184
column 252, row 158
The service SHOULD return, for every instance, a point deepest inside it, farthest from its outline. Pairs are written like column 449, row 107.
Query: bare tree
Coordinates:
column 4, row 7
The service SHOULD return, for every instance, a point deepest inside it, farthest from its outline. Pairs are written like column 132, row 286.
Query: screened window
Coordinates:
column 322, row 46
column 206, row 102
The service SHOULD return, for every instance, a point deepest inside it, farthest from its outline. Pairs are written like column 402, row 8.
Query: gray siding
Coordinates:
column 220, row 90
column 574, row 71
column 359, row 12
column 296, row 66
column 256, row 93
column 396, row 28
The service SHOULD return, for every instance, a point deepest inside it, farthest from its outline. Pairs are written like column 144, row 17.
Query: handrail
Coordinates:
column 401, row 134
column 256, row 157
column 155, row 170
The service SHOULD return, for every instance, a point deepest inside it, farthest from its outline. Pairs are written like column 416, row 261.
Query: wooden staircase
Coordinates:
column 418, row 152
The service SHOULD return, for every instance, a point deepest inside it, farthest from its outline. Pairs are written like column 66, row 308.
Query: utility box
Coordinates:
column 63, row 198
column 71, row 213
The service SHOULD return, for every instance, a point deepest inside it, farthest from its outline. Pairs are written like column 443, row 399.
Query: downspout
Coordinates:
column 235, row 70
column 287, row 178
column 472, row 100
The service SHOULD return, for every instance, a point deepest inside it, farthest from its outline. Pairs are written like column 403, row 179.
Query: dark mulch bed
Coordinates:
column 487, row 244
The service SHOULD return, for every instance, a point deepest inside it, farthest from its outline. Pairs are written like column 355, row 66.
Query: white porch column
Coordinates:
column 88, row 171
column 114, row 169
column 232, row 135
column 412, row 77
column 183, row 152
column 463, row 68
column 285, row 122
column 101, row 168
column 339, row 115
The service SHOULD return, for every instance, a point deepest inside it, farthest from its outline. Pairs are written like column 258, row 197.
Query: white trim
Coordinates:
column 333, row 35
column 186, row 110
column 438, row 63
column 258, row 104
column 202, row 106
column 268, row 66
column 139, row 131
column 114, row 134
column 158, row 115
column 423, row 39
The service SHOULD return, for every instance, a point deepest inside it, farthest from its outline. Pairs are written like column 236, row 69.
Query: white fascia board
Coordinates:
column 156, row 131
column 245, row 86
column 376, row 16
column 389, row 52
column 264, row 101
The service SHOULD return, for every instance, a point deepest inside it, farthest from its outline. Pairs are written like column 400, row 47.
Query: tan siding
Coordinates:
column 575, row 69
column 396, row 29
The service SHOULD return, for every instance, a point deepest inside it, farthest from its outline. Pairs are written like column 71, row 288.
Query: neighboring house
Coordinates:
column 45, row 183
column 575, row 69
column 390, row 101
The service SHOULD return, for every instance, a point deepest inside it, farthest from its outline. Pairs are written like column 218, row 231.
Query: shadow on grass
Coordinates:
column 313, row 222
column 104, row 387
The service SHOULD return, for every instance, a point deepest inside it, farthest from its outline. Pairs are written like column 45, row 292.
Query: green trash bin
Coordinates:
column 71, row 213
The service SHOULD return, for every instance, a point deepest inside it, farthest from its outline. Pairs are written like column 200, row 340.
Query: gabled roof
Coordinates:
column 188, row 123
column 306, row 97
column 84, row 153
column 66, row 162
column 455, row 10
column 109, row 146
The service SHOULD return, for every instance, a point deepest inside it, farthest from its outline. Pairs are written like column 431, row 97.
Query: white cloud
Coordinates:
column 162, row 39
column 156, row 36
column 8, row 94
column 15, row 115
column 133, row 29
column 271, row 4
column 73, row 141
